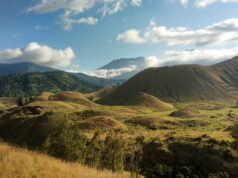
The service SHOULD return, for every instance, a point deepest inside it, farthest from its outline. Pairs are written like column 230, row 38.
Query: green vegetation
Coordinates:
column 32, row 84
column 133, row 139
column 16, row 162
column 144, row 136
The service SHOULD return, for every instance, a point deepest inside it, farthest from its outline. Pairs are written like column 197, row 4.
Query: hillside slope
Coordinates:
column 146, row 100
column 17, row 162
column 177, row 83
column 228, row 71
column 35, row 83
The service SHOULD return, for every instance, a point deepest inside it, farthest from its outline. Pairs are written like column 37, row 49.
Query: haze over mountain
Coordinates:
column 102, row 82
column 123, row 68
column 181, row 83
column 23, row 67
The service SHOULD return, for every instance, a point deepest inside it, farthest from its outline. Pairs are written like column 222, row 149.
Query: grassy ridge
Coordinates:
column 15, row 162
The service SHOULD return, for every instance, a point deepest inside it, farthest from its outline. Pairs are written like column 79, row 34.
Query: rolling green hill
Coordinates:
column 176, row 83
column 35, row 83
column 146, row 100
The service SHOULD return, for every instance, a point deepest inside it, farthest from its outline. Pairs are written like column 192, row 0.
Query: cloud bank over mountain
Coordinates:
column 39, row 54
column 170, row 58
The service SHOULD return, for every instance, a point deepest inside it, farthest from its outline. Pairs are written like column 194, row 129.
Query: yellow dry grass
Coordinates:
column 15, row 163
column 2, row 106
column 44, row 96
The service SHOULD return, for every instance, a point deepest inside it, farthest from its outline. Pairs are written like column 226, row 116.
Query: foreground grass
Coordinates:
column 15, row 162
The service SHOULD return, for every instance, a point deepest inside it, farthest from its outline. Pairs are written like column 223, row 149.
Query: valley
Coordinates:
column 163, row 122
column 118, row 89
column 208, row 129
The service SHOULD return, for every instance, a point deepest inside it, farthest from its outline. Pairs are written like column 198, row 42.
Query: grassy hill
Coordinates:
column 227, row 71
column 97, row 95
column 16, row 162
column 177, row 83
column 35, row 83
column 146, row 100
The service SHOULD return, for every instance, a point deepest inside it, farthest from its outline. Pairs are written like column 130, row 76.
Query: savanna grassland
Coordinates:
column 194, row 139
column 16, row 162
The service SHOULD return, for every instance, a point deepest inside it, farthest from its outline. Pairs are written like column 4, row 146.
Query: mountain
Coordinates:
column 28, row 67
column 34, row 83
column 181, row 83
column 102, row 82
column 124, row 62
column 137, row 63
column 24, row 67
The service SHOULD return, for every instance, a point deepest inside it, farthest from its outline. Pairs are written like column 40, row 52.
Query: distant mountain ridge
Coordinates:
column 181, row 83
column 102, row 82
column 23, row 67
column 121, row 63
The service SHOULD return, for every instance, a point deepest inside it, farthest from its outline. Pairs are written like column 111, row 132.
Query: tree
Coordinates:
column 20, row 101
column 133, row 157
column 113, row 153
column 67, row 142
column 94, row 151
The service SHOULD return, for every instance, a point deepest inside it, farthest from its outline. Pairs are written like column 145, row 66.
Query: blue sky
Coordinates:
column 95, row 42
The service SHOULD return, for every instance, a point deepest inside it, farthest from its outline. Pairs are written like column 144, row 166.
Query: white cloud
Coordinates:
column 205, row 3
column 113, row 7
column 218, row 33
column 10, row 54
column 46, row 6
column 110, row 73
column 151, row 61
column 203, row 57
column 72, row 8
column 39, row 54
column 184, row 2
column 131, row 36
column 136, row 2
column 67, row 22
